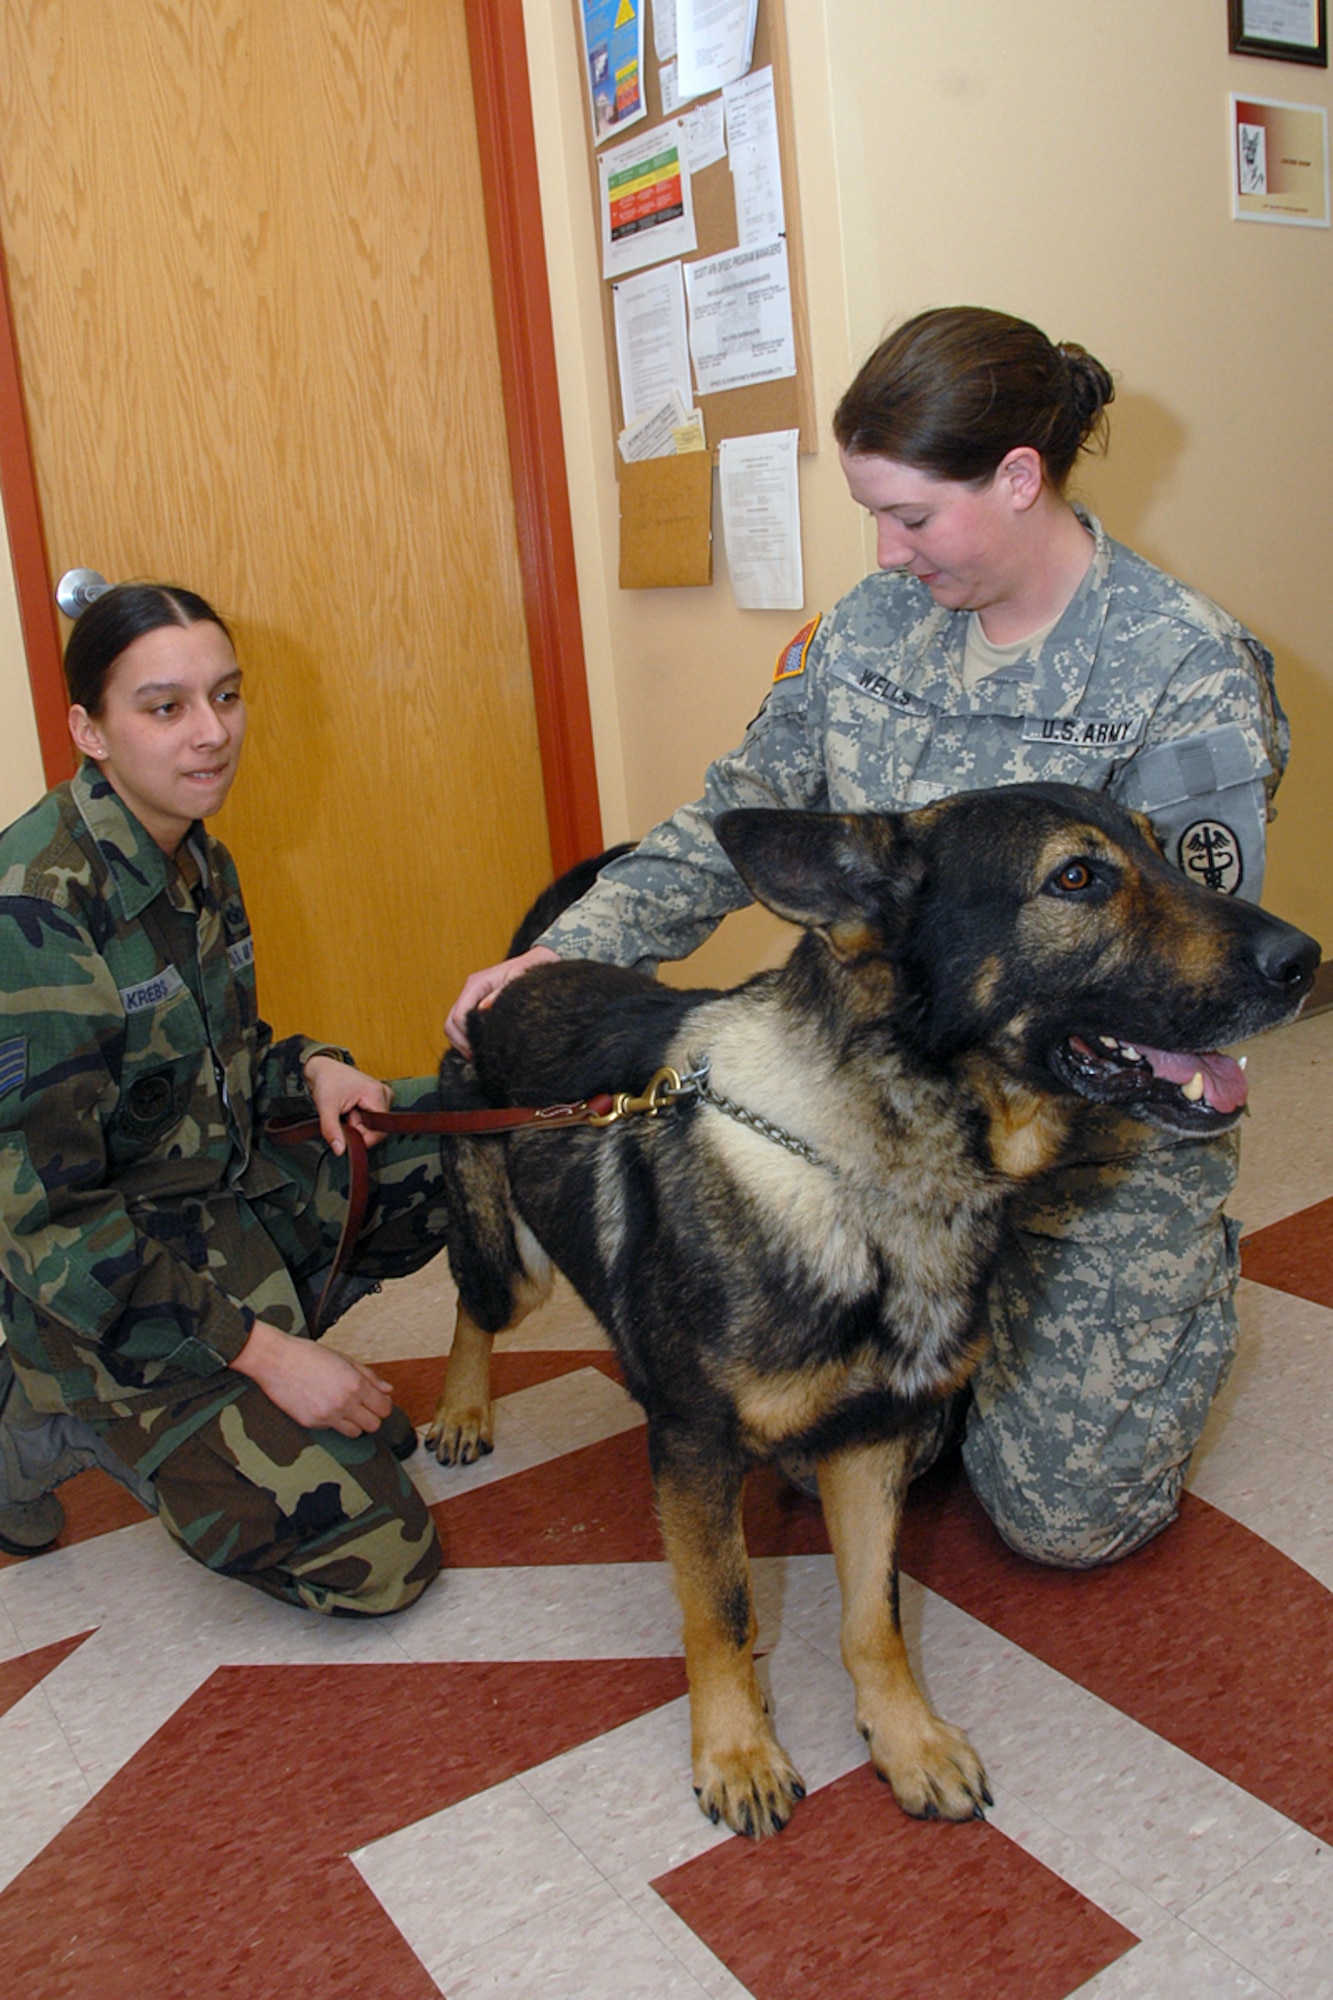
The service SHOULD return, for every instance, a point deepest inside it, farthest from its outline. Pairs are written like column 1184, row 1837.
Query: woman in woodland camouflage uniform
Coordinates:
column 1006, row 639
column 158, row 1255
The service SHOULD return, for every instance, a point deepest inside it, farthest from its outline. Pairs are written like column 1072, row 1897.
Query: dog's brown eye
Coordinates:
column 1073, row 876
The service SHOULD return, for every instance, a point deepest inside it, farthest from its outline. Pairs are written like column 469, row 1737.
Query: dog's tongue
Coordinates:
column 1224, row 1084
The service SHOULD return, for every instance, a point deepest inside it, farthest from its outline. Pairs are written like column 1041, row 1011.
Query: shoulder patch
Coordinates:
column 13, row 1063
column 1209, row 853
column 791, row 660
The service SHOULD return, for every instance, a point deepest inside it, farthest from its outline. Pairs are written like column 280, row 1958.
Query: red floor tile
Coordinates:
column 856, row 1901
column 1294, row 1255
column 595, row 1505
column 1208, row 1636
column 26, row 1671
column 214, row 1865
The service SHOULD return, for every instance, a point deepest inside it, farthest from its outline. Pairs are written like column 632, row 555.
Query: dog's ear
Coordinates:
column 850, row 876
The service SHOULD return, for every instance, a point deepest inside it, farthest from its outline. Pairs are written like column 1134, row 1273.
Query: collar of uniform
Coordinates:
column 1062, row 669
column 1052, row 685
column 138, row 865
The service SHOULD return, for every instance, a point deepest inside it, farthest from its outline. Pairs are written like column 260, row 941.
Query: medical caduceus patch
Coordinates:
column 1209, row 853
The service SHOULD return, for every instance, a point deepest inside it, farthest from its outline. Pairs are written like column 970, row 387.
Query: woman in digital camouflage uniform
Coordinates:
column 158, row 1254
column 1005, row 639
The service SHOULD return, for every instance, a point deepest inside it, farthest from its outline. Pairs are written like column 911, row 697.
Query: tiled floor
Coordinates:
column 206, row 1794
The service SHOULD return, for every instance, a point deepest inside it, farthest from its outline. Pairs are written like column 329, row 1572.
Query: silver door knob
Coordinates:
column 78, row 588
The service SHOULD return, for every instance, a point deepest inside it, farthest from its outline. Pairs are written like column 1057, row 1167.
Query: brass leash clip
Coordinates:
column 661, row 1092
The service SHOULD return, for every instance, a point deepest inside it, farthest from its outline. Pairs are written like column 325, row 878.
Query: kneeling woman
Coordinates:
column 158, row 1255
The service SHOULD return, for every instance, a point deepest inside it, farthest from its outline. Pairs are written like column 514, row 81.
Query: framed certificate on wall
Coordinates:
column 1282, row 30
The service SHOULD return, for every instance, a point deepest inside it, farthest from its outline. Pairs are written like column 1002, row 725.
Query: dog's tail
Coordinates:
column 566, row 889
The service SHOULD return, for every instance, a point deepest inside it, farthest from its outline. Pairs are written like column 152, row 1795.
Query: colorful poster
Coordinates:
column 646, row 201
column 1279, row 162
column 613, row 50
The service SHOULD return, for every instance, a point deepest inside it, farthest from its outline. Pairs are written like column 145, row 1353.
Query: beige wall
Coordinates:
column 21, row 780
column 1062, row 159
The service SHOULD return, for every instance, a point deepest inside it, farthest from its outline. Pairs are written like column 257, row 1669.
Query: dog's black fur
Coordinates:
column 972, row 975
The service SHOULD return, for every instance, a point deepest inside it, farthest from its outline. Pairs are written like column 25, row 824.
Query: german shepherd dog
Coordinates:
column 790, row 1257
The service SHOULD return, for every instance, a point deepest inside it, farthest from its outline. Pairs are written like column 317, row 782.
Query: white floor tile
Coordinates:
column 556, row 1611
column 690, row 1949
column 1287, row 1139
column 1175, row 1964
column 415, row 1316
column 593, row 1946
column 467, row 1875
column 10, row 1643
column 1275, row 1917
column 1282, row 1379
column 1167, row 1825
column 626, row 1799
column 41, row 1782
column 1273, row 1488
column 577, row 1409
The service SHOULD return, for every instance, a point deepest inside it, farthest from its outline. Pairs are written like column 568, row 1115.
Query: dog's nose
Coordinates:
column 1287, row 958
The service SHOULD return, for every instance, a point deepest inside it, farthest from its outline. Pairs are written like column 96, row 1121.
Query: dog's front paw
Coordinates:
column 934, row 1771
column 461, row 1436
column 754, row 1791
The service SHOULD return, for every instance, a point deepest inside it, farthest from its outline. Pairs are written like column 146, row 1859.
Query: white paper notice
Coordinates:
column 752, row 113
column 646, row 203
column 651, row 348
column 761, row 520
column 714, row 42
column 664, row 29
column 654, row 434
column 740, row 318
column 752, row 139
column 704, row 141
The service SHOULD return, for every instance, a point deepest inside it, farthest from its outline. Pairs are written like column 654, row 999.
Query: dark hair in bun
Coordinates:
column 955, row 390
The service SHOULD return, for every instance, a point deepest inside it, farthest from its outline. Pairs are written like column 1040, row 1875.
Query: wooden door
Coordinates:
column 248, row 265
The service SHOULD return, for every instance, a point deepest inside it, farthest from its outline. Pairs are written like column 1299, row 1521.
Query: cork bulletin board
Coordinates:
column 664, row 520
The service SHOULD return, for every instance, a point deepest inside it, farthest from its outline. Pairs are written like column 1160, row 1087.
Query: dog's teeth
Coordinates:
column 1108, row 1041
column 1194, row 1088
column 1132, row 1054
column 1242, row 1062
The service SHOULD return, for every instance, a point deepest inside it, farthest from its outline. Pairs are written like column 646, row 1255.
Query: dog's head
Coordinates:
column 1037, row 929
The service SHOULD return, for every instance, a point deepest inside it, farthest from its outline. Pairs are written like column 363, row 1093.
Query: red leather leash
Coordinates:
column 604, row 1109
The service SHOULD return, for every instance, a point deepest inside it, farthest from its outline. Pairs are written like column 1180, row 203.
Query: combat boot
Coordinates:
column 38, row 1450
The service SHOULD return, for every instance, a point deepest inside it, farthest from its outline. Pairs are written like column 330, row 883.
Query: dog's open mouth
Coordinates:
column 1197, row 1092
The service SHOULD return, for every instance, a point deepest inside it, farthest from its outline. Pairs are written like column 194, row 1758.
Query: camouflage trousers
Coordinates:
column 1113, row 1325
column 323, row 1521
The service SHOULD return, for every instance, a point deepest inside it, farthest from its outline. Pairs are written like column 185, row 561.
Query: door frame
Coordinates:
column 497, row 49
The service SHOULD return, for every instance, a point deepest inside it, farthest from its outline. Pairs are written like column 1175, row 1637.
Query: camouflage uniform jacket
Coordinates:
column 1143, row 688
column 134, row 1077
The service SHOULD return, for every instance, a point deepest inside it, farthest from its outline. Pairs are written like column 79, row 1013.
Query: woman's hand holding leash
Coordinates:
column 338, row 1091
column 481, row 988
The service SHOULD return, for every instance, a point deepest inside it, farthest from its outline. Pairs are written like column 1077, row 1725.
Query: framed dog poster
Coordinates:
column 1282, row 30
column 1279, row 162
